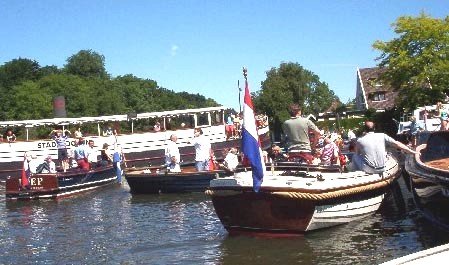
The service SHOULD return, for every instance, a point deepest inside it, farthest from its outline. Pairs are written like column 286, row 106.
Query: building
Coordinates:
column 371, row 92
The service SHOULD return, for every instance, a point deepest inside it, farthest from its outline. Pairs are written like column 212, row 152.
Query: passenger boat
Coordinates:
column 143, row 147
column 426, row 116
column 154, row 180
column 428, row 172
column 295, row 198
column 59, row 184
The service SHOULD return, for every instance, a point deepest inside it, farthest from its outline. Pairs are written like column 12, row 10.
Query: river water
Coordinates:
column 111, row 226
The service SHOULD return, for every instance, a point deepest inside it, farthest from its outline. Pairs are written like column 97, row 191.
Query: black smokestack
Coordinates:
column 59, row 107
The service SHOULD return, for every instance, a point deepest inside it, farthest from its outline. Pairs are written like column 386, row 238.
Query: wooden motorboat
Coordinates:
column 60, row 184
column 155, row 180
column 428, row 172
column 295, row 198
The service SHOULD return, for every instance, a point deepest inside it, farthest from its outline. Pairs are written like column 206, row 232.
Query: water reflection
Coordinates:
column 112, row 226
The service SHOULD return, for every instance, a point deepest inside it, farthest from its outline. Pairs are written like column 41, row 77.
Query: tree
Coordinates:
column 416, row 63
column 86, row 63
column 291, row 83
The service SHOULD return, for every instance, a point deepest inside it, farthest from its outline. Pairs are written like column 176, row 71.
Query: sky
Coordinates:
column 200, row 46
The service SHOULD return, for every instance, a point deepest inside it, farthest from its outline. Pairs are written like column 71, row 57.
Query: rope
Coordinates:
column 312, row 196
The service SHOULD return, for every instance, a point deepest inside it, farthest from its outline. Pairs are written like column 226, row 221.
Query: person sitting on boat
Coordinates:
column 106, row 156
column 275, row 154
column 203, row 150
column 91, row 153
column 10, row 137
column 415, row 128
column 157, row 127
column 330, row 152
column 47, row 167
column 296, row 130
column 80, row 153
column 370, row 150
column 231, row 160
column 108, row 131
column 78, row 133
column 172, row 155
column 60, row 137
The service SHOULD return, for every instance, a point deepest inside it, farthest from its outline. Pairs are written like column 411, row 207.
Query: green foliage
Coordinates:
column 86, row 63
column 417, row 61
column 27, row 91
column 291, row 83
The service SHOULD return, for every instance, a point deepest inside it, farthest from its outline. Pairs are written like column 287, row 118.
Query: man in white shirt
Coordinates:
column 172, row 155
column 92, row 156
column 370, row 151
column 231, row 160
column 202, row 150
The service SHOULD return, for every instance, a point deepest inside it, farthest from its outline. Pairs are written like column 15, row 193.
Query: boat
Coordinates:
column 425, row 115
column 295, row 198
column 59, row 184
column 141, row 145
column 428, row 173
column 435, row 255
column 154, row 181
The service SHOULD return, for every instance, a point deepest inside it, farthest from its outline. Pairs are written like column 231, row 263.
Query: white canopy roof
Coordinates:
column 123, row 117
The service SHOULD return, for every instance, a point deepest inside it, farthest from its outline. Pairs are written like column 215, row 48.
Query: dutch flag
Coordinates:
column 250, row 141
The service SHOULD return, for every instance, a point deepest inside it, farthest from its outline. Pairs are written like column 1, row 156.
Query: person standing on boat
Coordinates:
column 172, row 155
column 60, row 137
column 203, row 150
column 117, row 159
column 415, row 128
column 442, row 113
column 296, row 130
column 370, row 150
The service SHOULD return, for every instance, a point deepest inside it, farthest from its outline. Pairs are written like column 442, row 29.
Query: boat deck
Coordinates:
column 442, row 163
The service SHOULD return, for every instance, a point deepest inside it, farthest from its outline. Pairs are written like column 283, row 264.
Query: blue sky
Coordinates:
column 201, row 46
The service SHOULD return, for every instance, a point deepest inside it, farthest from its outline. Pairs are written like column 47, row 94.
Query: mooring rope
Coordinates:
column 312, row 196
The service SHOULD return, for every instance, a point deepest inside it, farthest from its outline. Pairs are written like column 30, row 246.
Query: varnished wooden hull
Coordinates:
column 51, row 186
column 429, row 178
column 292, row 202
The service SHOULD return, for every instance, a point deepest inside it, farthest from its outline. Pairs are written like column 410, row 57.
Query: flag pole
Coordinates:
column 240, row 95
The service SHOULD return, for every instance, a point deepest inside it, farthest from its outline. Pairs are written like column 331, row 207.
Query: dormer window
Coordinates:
column 377, row 96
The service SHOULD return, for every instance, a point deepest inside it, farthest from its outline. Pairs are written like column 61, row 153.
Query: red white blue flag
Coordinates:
column 250, row 141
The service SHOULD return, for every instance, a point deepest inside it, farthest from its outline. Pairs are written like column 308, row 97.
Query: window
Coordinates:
column 377, row 96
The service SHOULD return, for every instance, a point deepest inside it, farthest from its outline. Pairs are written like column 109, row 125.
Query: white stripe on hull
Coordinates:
column 331, row 215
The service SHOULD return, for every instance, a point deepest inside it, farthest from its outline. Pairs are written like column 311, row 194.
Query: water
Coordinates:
column 110, row 226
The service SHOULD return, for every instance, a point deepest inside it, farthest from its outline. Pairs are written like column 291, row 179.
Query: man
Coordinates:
column 91, row 153
column 296, row 130
column 203, row 150
column 60, row 137
column 172, row 155
column 370, row 150
column 415, row 128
